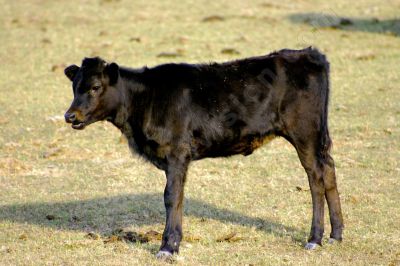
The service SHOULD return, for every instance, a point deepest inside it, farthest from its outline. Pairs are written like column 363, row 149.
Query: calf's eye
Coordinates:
column 96, row 88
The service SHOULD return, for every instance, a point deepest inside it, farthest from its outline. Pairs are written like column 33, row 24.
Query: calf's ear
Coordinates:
column 71, row 71
column 112, row 71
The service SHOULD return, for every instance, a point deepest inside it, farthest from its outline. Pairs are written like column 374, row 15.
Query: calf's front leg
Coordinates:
column 173, row 201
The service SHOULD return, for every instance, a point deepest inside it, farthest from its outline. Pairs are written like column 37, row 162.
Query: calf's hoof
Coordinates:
column 164, row 255
column 333, row 241
column 311, row 246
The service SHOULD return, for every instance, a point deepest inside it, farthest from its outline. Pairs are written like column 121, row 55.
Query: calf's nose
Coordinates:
column 69, row 117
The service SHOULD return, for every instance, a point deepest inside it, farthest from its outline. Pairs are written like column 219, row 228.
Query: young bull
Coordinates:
column 173, row 114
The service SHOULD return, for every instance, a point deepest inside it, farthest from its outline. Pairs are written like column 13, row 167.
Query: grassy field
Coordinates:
column 57, row 184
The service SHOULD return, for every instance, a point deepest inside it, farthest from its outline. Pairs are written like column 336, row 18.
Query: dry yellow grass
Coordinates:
column 57, row 185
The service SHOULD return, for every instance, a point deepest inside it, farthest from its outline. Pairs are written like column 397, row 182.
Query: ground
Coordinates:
column 69, row 197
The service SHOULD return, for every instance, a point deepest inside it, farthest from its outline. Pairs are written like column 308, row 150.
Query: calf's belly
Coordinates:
column 244, row 145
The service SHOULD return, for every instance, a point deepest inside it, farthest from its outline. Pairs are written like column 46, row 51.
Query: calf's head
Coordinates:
column 96, row 96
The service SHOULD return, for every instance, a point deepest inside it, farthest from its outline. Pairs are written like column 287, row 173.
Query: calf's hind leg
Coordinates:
column 320, row 170
column 314, row 172
column 333, row 200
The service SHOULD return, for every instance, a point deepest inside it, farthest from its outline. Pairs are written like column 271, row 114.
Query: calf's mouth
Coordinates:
column 78, row 125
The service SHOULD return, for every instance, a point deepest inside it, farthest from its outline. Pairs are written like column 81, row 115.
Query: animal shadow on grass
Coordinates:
column 105, row 215
column 334, row 21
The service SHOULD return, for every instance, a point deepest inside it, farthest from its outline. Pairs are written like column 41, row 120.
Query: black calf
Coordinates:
column 175, row 113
